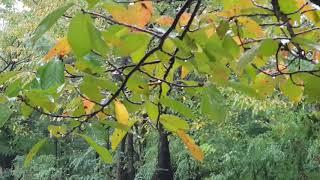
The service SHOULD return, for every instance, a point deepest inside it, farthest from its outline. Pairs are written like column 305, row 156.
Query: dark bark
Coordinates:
column 130, row 156
column 164, row 169
column 121, row 171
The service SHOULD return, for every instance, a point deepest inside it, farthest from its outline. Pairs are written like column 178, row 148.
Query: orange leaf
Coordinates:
column 194, row 149
column 184, row 19
column 61, row 48
column 138, row 14
column 165, row 21
column 88, row 106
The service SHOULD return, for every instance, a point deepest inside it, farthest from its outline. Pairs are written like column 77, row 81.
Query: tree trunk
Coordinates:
column 130, row 154
column 121, row 171
column 164, row 169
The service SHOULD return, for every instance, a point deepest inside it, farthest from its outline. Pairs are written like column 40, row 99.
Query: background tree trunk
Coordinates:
column 121, row 171
column 130, row 157
column 164, row 169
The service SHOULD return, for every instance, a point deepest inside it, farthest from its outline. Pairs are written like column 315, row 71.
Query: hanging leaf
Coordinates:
column 84, row 37
column 61, row 48
column 264, row 85
column 152, row 111
column 49, row 21
column 102, row 151
column 212, row 104
column 194, row 149
column 5, row 113
column 173, row 123
column 34, row 150
column 118, row 135
column 292, row 91
column 52, row 74
column 177, row 106
column 121, row 113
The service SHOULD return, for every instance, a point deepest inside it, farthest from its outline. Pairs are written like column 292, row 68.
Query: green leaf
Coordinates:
column 92, row 87
column 49, row 21
column 307, row 42
column 288, row 6
column 14, row 88
column 247, row 57
column 312, row 88
column 102, row 151
column 52, row 75
column 92, row 3
column 177, row 106
column 292, row 91
column 244, row 89
column 268, row 47
column 5, row 113
column 34, row 150
column 84, row 37
column 230, row 45
column 39, row 98
column 5, row 76
column 173, row 123
column 152, row 111
column 26, row 111
column 222, row 28
column 212, row 104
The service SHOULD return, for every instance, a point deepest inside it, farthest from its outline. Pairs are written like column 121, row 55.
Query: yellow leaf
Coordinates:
column 61, row 48
column 121, row 112
column 88, row 106
column 116, row 138
column 184, row 72
column 165, row 21
column 194, row 149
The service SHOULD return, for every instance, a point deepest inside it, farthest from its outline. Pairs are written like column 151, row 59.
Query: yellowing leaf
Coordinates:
column 184, row 72
column 88, row 106
column 312, row 15
column 292, row 91
column 264, row 85
column 61, row 48
column 165, row 21
column 194, row 149
column 121, row 113
column 139, row 14
column 57, row 131
column 118, row 135
column 251, row 26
